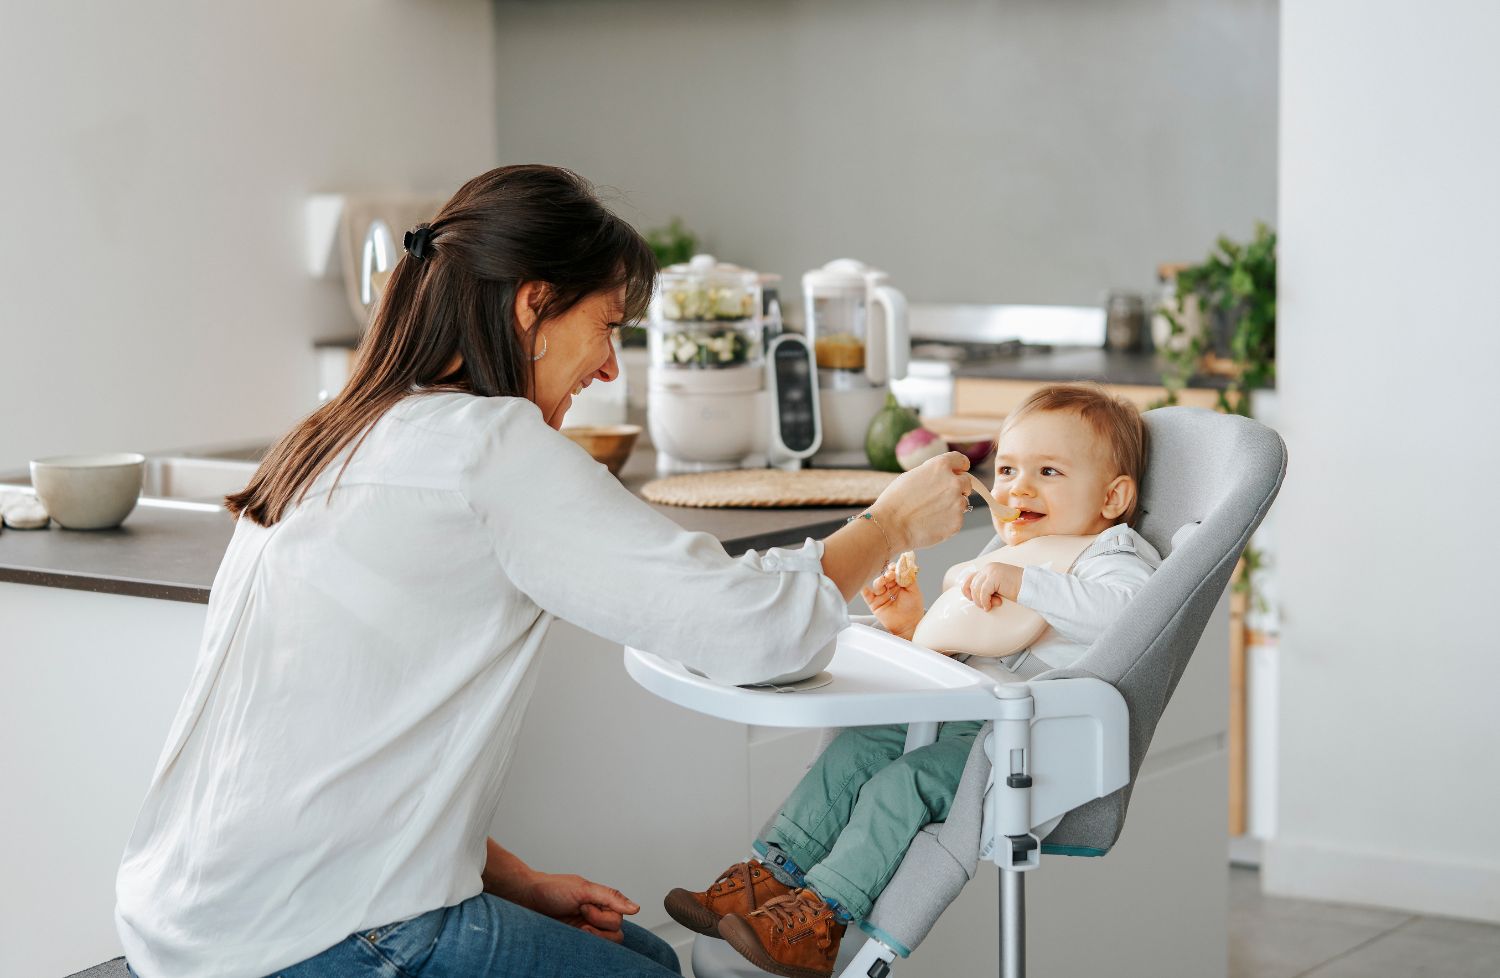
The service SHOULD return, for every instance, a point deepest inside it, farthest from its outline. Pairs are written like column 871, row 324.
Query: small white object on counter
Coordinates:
column 23, row 512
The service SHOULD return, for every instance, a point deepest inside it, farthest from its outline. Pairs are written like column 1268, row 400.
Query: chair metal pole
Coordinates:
column 1012, row 924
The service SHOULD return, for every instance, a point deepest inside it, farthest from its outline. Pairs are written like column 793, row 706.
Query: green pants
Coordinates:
column 851, row 819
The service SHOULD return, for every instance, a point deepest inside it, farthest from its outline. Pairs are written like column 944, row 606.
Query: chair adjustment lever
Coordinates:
column 878, row 970
column 1018, row 781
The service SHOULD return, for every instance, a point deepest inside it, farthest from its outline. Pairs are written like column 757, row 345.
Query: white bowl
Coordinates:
column 89, row 492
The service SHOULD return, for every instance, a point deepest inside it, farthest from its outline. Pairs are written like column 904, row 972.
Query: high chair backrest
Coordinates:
column 1218, row 471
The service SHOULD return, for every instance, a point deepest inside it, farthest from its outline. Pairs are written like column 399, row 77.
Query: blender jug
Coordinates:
column 857, row 326
column 856, row 322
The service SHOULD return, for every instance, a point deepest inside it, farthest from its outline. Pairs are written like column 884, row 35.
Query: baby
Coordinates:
column 1070, row 458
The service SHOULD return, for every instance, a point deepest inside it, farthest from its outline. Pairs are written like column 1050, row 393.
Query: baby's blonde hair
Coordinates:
column 1115, row 421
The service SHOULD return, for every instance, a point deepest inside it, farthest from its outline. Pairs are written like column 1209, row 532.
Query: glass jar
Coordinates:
column 1125, row 322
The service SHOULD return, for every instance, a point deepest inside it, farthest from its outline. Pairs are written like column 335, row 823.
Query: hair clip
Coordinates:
column 418, row 242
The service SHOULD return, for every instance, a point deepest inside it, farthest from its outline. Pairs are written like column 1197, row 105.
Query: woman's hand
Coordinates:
column 920, row 508
column 577, row 902
column 571, row 899
column 897, row 608
column 926, row 505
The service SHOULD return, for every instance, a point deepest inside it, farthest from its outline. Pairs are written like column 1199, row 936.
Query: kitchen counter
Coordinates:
column 173, row 554
column 1068, row 363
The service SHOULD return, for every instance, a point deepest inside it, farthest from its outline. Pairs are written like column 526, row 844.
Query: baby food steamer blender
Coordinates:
column 857, row 325
column 718, row 395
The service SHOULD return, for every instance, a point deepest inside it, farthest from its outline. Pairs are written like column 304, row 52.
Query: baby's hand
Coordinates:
column 895, row 606
column 983, row 586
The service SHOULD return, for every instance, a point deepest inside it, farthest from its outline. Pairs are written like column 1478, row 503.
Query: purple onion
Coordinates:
column 917, row 446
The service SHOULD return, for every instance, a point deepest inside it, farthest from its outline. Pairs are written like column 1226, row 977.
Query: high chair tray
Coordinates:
column 877, row 678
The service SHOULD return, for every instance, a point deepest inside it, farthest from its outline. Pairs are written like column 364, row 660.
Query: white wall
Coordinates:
column 1016, row 151
column 156, row 155
column 1388, row 343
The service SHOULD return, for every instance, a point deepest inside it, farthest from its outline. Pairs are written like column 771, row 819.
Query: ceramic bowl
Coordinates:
column 89, row 492
column 609, row 443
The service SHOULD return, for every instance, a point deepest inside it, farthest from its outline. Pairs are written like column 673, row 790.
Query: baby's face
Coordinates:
column 1056, row 471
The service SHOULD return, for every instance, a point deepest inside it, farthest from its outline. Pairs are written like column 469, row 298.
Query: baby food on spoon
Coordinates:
column 998, row 514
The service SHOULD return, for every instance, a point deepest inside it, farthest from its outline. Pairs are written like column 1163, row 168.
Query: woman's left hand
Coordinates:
column 580, row 903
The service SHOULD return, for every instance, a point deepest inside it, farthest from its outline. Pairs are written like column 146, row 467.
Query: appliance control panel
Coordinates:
column 792, row 379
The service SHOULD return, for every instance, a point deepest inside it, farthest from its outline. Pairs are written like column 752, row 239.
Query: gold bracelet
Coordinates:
column 867, row 515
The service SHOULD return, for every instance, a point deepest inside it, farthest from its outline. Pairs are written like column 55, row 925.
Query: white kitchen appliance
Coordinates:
column 717, row 397
column 857, row 325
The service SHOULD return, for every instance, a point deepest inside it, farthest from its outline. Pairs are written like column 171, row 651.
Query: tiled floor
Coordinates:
column 1273, row 937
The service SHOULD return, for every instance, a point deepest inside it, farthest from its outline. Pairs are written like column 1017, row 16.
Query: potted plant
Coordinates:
column 1222, row 320
column 1235, row 287
column 673, row 243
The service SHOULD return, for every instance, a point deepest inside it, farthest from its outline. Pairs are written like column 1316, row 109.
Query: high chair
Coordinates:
column 1052, row 770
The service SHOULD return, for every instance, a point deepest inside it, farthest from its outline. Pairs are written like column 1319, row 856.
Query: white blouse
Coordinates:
column 366, row 666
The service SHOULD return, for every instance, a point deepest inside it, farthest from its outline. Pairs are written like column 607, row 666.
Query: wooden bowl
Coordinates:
column 608, row 443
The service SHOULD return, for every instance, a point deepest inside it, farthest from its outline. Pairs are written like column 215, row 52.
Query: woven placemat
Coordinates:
column 770, row 487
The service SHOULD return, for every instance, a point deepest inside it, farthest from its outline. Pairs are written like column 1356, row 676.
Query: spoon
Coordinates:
column 998, row 513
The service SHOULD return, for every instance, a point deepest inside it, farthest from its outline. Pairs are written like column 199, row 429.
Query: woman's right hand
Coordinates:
column 926, row 505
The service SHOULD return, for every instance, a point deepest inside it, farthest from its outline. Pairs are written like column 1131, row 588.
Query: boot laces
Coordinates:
column 739, row 871
column 787, row 911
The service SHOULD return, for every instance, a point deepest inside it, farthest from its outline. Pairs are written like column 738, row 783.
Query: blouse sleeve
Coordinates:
column 1080, row 605
column 585, row 549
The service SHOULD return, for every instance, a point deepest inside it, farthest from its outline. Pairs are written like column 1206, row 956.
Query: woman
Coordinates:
column 322, row 803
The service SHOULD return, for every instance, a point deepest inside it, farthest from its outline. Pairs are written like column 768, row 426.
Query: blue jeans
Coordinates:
column 487, row 937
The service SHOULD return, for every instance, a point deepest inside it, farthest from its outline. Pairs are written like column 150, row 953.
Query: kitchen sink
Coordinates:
column 190, row 482
column 191, row 479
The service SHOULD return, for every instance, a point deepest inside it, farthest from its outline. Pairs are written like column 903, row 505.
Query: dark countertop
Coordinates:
column 1065, row 363
column 170, row 554
column 173, row 554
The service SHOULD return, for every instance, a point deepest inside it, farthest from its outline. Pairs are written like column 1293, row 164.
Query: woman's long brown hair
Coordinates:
column 512, row 225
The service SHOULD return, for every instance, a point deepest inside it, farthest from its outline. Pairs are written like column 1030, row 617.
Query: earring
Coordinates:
column 543, row 353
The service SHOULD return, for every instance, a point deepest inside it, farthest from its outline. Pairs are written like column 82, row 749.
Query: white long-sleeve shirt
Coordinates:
column 366, row 664
column 1079, row 605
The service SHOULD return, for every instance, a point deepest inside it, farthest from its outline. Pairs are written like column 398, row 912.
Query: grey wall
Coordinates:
column 157, row 156
column 979, row 150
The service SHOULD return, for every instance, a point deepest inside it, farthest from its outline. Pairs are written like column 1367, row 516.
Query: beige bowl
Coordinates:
column 89, row 492
column 608, row 443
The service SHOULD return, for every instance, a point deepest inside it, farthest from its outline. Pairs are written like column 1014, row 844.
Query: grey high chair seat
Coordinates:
column 1210, row 480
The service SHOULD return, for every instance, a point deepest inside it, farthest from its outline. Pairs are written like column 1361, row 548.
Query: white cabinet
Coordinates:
column 89, row 684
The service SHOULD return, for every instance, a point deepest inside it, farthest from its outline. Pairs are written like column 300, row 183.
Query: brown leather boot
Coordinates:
column 795, row 936
column 739, row 889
